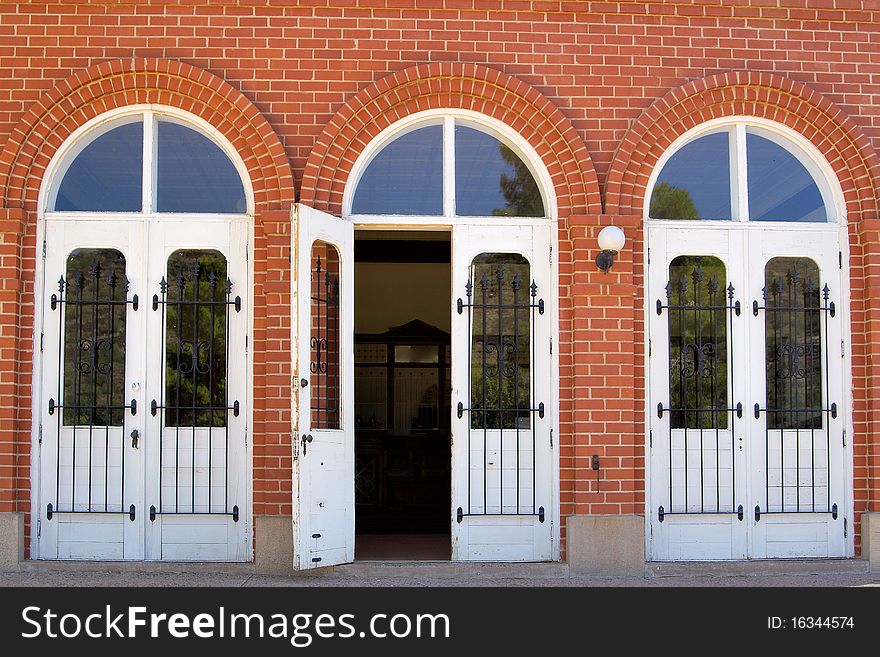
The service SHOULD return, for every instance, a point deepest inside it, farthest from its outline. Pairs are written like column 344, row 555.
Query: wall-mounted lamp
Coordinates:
column 611, row 241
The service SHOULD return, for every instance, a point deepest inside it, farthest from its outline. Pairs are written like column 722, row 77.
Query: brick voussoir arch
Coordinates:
column 119, row 83
column 448, row 85
column 745, row 93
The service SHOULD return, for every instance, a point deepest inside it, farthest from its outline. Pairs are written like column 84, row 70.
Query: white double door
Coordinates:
column 747, row 400
column 503, row 409
column 143, row 379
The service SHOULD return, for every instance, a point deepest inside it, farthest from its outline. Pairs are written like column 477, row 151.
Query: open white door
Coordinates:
column 323, row 329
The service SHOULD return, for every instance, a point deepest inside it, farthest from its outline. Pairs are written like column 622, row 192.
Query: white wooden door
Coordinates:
column 798, row 403
column 746, row 393
column 502, row 394
column 324, row 441
column 144, row 390
column 696, row 402
column 196, row 391
column 91, row 473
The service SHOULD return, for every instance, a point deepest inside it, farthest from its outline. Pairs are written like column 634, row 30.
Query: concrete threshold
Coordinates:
column 544, row 570
column 219, row 567
column 755, row 567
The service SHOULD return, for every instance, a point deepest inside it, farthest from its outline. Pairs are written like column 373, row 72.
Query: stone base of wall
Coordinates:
column 871, row 540
column 11, row 540
column 273, row 551
column 606, row 546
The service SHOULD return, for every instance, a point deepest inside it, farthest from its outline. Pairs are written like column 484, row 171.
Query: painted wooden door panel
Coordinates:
column 502, row 394
column 324, row 443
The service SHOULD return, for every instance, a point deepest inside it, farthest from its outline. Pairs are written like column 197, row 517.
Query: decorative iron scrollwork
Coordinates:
column 501, row 311
column 324, row 340
column 796, row 412
column 700, row 311
column 195, row 318
column 92, row 299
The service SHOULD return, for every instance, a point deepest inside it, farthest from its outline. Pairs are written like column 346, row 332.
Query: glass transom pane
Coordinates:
column 492, row 180
column 194, row 174
column 780, row 187
column 405, row 177
column 107, row 174
column 695, row 182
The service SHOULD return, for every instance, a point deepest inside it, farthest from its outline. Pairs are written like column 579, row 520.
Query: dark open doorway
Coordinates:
column 402, row 395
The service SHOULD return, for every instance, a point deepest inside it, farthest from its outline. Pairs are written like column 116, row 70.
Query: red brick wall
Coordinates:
column 598, row 89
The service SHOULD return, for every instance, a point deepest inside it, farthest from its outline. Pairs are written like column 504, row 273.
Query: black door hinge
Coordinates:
column 840, row 259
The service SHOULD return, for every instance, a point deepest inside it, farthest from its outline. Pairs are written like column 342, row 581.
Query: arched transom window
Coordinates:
column 448, row 166
column 148, row 163
column 740, row 171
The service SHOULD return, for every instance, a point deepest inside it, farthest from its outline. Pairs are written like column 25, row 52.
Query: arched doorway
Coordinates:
column 747, row 375
column 143, row 314
column 451, row 388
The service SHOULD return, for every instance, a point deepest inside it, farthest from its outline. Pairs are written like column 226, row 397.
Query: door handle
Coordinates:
column 134, row 438
column 305, row 440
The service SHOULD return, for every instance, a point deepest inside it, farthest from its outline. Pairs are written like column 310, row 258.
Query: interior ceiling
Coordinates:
column 406, row 235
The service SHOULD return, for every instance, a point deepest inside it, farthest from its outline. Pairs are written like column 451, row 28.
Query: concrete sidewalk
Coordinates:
column 430, row 574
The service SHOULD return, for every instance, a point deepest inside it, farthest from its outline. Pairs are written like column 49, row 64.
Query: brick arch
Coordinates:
column 451, row 85
column 119, row 83
column 745, row 93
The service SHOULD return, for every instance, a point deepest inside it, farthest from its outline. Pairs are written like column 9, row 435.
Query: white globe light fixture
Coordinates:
column 611, row 241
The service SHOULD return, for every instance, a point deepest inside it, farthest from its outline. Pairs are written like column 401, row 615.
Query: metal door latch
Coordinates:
column 134, row 438
column 305, row 440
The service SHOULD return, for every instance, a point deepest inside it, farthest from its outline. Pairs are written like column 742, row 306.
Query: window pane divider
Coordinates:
column 449, row 166
column 149, row 160
column 739, row 179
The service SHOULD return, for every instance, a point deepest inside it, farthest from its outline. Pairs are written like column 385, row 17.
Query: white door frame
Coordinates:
column 448, row 224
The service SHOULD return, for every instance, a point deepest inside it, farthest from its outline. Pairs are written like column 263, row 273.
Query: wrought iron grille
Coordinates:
column 89, row 403
column 324, row 341
column 797, row 473
column 700, row 319
column 501, row 314
column 195, row 370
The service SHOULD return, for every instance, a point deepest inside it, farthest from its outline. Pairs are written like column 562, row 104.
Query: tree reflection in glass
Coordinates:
column 195, row 339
